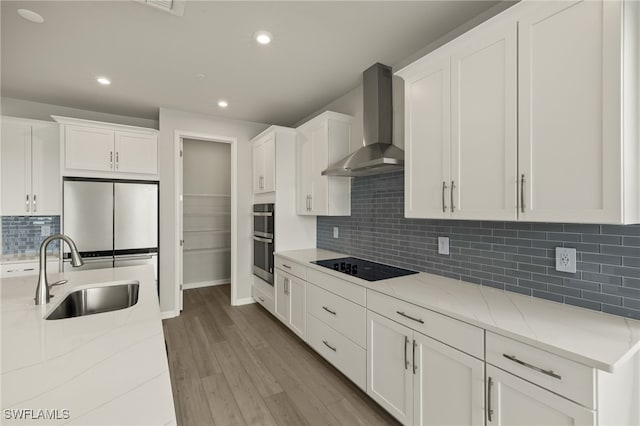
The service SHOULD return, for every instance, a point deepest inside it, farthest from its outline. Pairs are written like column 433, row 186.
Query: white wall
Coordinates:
column 206, row 167
column 39, row 111
column 170, row 122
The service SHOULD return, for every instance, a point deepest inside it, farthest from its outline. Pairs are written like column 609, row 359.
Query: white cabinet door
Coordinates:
column 264, row 164
column 427, row 138
column 269, row 168
column 282, row 303
column 512, row 401
column 89, row 148
column 320, row 159
column 483, row 182
column 15, row 153
column 569, row 107
column 45, row 160
column 136, row 153
column 258, row 167
column 448, row 385
column 304, row 161
column 297, row 311
column 389, row 369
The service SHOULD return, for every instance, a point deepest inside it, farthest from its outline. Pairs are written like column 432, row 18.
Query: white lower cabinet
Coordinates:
column 514, row 401
column 420, row 380
column 22, row 269
column 290, row 301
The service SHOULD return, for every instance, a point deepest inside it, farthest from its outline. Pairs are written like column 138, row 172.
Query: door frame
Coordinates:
column 179, row 136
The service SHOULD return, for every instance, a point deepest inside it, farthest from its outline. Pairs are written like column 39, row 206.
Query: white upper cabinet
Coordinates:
column 571, row 150
column 460, row 125
column 320, row 142
column 483, row 125
column 428, row 137
column 105, row 150
column 530, row 116
column 30, row 167
column 264, row 162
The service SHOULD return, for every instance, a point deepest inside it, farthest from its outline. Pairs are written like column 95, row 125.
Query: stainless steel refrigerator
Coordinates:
column 113, row 223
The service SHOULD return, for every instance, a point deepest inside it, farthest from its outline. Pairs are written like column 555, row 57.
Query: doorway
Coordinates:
column 205, row 188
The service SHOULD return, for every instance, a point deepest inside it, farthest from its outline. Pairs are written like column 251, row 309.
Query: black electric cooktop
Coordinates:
column 370, row 271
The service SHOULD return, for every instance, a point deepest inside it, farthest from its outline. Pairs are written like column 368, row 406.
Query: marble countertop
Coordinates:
column 109, row 368
column 26, row 257
column 596, row 339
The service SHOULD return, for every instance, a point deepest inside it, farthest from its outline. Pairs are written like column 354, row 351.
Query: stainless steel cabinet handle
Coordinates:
column 410, row 317
column 522, row 193
column 533, row 367
column 310, row 202
column 286, row 286
column 117, row 160
column 261, row 299
column 35, row 206
column 134, row 257
column 111, row 159
column 329, row 310
column 286, row 266
column 406, row 360
column 453, row 186
column 444, row 205
column 27, row 203
column 329, row 346
column 489, row 408
column 415, row 366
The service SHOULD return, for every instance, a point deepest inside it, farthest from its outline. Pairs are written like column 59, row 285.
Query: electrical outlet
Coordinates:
column 335, row 232
column 565, row 259
column 45, row 230
column 443, row 245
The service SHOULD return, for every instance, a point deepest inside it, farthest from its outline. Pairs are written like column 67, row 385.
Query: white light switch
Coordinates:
column 565, row 259
column 443, row 245
column 335, row 232
column 45, row 230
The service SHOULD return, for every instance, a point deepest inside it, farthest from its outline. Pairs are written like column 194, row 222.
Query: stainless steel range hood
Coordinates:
column 378, row 155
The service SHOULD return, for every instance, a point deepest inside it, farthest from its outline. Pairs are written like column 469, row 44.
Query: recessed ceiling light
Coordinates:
column 263, row 37
column 223, row 104
column 103, row 80
column 30, row 16
column 200, row 76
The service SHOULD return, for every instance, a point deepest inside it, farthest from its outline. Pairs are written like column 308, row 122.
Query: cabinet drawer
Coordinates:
column 263, row 298
column 345, row 355
column 349, row 291
column 292, row 268
column 460, row 335
column 560, row 375
column 344, row 316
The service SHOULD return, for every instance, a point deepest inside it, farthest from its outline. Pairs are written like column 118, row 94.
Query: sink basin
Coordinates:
column 96, row 300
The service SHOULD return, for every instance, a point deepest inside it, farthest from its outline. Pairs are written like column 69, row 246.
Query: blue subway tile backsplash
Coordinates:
column 23, row 234
column 513, row 256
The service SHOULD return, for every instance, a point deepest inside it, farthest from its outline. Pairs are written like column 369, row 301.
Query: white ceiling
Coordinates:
column 319, row 52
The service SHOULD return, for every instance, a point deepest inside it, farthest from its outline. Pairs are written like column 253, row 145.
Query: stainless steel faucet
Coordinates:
column 42, row 290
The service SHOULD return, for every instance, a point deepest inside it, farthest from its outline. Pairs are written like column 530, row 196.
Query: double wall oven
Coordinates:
column 263, row 241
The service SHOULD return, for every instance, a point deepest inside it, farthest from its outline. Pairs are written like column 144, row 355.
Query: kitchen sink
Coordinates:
column 96, row 300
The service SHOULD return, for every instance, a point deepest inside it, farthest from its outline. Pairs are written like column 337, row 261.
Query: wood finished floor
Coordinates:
column 240, row 366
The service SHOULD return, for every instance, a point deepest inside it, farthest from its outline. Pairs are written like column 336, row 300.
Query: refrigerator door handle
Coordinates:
column 91, row 259
column 134, row 257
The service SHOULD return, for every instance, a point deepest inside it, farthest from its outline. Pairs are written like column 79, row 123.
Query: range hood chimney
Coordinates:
column 378, row 155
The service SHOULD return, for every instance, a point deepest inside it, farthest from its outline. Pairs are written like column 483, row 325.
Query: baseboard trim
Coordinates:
column 169, row 314
column 205, row 284
column 244, row 301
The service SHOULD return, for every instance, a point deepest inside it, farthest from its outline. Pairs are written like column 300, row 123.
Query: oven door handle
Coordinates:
column 263, row 240
column 268, row 214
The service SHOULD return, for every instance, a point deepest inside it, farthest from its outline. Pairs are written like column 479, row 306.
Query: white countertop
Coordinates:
column 592, row 338
column 109, row 368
